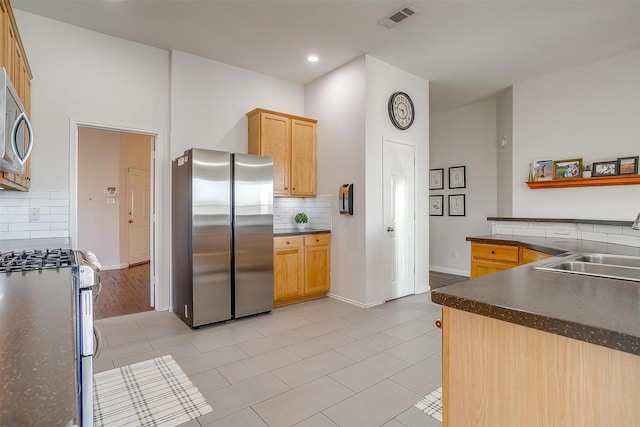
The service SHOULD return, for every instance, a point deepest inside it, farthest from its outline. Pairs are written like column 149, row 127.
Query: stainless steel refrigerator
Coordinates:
column 221, row 236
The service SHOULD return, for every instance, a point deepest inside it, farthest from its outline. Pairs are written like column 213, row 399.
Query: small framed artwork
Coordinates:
column 609, row 168
column 457, row 177
column 435, row 205
column 456, row 205
column 628, row 165
column 543, row 170
column 566, row 169
column 436, row 179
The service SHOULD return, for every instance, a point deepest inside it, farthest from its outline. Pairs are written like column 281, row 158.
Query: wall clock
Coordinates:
column 401, row 110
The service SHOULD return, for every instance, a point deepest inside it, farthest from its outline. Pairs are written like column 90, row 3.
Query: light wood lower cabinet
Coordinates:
column 300, row 268
column 497, row 373
column 490, row 258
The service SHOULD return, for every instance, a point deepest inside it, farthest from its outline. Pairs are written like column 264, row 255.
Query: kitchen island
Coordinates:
column 529, row 347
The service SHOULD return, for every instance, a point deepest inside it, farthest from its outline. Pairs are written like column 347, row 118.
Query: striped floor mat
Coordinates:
column 432, row 404
column 151, row 393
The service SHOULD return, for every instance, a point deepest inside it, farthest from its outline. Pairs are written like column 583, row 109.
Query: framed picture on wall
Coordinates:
column 436, row 205
column 436, row 179
column 457, row 205
column 628, row 165
column 543, row 170
column 567, row 169
column 608, row 168
column 457, row 177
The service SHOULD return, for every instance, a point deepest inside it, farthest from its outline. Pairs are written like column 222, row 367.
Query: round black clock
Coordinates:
column 401, row 110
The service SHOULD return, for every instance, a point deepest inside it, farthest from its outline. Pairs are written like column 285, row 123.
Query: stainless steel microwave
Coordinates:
column 16, row 135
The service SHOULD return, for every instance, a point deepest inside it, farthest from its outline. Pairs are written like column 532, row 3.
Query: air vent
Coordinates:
column 398, row 16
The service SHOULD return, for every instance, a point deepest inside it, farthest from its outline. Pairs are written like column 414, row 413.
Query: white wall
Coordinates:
column 84, row 76
column 381, row 81
column 463, row 136
column 100, row 167
column 350, row 104
column 590, row 112
column 337, row 101
column 209, row 102
column 504, row 127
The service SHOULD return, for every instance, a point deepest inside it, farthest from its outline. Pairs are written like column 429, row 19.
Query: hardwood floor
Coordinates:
column 124, row 291
column 438, row 280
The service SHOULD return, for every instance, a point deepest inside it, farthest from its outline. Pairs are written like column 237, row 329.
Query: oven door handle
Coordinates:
column 97, row 293
column 98, row 340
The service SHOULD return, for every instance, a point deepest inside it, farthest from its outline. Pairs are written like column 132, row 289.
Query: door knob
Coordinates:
column 130, row 221
column 389, row 228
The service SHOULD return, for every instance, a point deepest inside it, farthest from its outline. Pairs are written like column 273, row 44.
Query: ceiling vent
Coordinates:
column 398, row 16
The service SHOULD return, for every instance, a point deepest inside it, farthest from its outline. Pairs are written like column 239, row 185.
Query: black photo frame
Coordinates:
column 457, row 205
column 436, row 179
column 436, row 205
column 458, row 177
column 628, row 165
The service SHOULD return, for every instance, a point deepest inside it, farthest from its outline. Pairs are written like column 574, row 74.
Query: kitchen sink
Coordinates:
column 597, row 265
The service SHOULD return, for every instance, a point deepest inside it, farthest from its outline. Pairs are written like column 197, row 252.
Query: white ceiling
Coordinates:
column 469, row 50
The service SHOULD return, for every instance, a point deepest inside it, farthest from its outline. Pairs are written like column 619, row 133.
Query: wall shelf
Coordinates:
column 586, row 182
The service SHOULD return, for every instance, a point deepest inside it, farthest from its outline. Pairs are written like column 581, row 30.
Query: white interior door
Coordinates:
column 138, row 183
column 399, row 219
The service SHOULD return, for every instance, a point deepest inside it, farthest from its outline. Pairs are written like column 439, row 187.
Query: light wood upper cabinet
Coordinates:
column 291, row 141
column 303, row 158
column 14, row 60
column 488, row 258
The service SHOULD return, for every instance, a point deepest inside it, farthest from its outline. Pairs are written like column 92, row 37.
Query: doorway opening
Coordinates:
column 114, row 216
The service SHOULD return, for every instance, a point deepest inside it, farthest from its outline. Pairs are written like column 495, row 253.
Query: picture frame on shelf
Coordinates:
column 628, row 165
column 567, row 169
column 608, row 168
column 458, row 177
column 436, row 179
column 436, row 205
column 457, row 205
column 543, row 170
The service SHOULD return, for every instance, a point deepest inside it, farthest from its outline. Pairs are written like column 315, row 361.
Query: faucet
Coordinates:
column 636, row 223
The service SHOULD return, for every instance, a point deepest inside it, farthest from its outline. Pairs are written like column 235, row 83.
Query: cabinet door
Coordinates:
column 316, row 265
column 529, row 255
column 288, row 270
column 275, row 141
column 303, row 158
column 481, row 268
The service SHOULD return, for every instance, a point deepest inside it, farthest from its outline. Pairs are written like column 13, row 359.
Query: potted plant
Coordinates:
column 301, row 220
column 586, row 171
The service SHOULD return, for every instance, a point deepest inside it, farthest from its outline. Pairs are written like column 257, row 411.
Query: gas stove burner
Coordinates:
column 36, row 260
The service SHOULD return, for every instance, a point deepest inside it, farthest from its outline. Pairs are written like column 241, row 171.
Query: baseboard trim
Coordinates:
column 447, row 270
column 114, row 267
column 353, row 302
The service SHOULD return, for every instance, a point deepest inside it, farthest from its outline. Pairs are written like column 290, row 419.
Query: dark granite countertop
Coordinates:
column 576, row 221
column 599, row 311
column 37, row 349
column 297, row 232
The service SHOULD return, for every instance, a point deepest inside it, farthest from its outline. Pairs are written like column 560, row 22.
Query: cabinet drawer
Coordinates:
column 287, row 242
column 316, row 240
column 495, row 252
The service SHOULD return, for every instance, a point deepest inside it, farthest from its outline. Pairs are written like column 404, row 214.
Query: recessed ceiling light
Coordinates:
column 312, row 58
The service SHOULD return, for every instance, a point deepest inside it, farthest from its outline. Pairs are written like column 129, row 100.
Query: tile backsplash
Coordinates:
column 34, row 214
column 318, row 209
column 615, row 234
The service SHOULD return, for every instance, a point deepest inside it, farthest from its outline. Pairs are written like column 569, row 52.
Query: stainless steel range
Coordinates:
column 23, row 266
column 36, row 260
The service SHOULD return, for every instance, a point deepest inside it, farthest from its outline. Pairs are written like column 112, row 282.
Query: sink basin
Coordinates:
column 597, row 265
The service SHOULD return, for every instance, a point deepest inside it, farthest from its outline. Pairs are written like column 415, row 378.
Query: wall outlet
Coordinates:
column 454, row 254
column 34, row 214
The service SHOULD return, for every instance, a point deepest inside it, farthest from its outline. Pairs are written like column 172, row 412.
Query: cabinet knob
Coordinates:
column 493, row 252
column 286, row 188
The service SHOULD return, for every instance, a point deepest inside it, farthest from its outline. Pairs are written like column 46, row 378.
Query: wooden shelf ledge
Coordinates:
column 599, row 181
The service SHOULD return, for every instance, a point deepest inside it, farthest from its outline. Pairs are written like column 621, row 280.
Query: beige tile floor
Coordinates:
column 315, row 364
